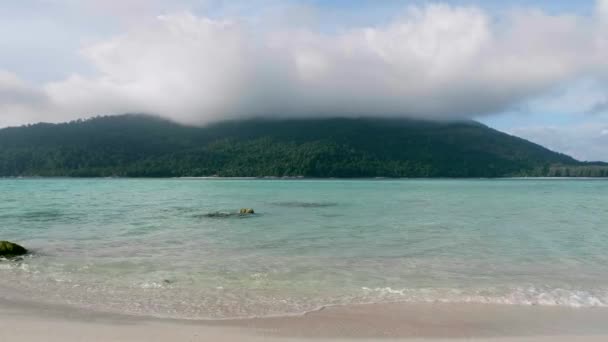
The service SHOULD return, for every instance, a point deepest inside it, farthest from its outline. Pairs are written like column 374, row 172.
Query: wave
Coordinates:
column 167, row 300
column 530, row 295
column 171, row 297
column 165, row 283
column 41, row 216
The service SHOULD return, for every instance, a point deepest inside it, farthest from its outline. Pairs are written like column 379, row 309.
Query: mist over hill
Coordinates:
column 146, row 146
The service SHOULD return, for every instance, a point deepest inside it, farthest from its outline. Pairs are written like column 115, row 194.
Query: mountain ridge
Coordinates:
column 135, row 145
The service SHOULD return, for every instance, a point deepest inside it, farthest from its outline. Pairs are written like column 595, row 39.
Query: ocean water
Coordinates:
column 159, row 247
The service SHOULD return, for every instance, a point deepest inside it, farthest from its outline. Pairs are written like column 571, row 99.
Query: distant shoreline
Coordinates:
column 314, row 178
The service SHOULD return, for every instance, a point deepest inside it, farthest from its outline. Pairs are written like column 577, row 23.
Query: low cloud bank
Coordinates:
column 434, row 62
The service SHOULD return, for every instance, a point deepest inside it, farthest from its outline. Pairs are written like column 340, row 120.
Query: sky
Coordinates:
column 535, row 69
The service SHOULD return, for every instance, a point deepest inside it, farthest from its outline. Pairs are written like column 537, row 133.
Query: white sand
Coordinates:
column 32, row 322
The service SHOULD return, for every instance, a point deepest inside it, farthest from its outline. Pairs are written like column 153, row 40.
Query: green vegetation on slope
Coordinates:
column 143, row 146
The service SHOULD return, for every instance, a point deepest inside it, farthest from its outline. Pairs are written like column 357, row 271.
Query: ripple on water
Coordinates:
column 298, row 204
column 110, row 245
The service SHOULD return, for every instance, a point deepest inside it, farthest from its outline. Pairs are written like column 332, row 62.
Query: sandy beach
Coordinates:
column 303, row 170
column 24, row 321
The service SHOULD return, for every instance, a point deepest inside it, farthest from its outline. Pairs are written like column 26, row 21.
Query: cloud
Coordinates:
column 17, row 98
column 586, row 141
column 574, row 99
column 602, row 9
column 15, row 91
column 599, row 108
column 434, row 62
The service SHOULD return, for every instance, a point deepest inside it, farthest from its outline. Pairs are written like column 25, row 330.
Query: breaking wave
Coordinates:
column 529, row 295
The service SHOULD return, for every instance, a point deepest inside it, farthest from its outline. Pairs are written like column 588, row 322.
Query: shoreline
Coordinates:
column 306, row 178
column 30, row 321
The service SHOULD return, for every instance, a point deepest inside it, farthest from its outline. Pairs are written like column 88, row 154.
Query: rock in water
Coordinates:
column 218, row 214
column 9, row 249
column 247, row 211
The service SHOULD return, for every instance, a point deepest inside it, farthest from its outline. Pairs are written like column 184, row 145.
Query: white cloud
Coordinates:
column 437, row 62
column 602, row 9
column 15, row 91
column 586, row 141
column 18, row 99
column 578, row 98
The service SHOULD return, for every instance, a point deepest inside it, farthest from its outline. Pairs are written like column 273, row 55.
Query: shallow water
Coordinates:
column 149, row 246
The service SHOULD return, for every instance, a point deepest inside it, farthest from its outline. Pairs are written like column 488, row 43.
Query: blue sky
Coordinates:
column 531, row 68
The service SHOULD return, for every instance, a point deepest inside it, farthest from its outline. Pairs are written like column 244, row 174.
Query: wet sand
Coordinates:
column 24, row 321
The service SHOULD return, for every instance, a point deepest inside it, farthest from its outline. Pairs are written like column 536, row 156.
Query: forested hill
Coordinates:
column 144, row 146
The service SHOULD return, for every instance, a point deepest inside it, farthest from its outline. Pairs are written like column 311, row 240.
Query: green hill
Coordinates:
column 144, row 146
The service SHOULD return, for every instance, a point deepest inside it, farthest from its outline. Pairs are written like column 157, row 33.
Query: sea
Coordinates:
column 177, row 248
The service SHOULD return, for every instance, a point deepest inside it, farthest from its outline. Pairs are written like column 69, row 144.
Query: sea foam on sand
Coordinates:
column 26, row 321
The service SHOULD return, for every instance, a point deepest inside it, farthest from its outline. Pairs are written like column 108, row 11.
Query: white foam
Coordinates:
column 529, row 295
column 151, row 285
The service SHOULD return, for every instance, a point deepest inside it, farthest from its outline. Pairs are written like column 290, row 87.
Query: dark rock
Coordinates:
column 10, row 250
column 218, row 214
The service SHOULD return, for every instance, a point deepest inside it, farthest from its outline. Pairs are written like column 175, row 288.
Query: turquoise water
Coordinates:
column 149, row 246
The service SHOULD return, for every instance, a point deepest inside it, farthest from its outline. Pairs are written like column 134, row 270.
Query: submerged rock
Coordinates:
column 10, row 250
column 223, row 214
column 218, row 214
